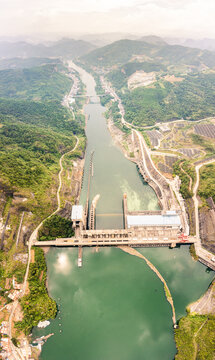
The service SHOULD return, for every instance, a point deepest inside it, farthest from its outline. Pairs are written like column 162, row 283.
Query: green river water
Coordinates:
column 114, row 307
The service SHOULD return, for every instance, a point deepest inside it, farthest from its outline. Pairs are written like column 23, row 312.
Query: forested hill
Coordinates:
column 49, row 115
column 157, row 82
column 25, row 63
column 123, row 51
column 35, row 129
column 63, row 48
column 40, row 83
column 118, row 52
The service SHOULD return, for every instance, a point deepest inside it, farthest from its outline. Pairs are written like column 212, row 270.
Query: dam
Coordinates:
column 114, row 307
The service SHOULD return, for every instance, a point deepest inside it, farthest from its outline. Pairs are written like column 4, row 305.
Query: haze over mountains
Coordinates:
column 204, row 44
column 72, row 48
column 149, row 49
column 65, row 47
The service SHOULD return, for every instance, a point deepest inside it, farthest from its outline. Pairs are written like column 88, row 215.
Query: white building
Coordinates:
column 169, row 218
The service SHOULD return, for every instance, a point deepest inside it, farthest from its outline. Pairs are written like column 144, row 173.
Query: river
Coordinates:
column 114, row 307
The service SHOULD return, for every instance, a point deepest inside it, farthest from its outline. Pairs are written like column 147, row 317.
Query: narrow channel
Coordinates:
column 113, row 174
column 114, row 307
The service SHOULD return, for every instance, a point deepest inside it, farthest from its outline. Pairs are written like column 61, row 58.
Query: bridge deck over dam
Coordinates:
column 141, row 237
column 89, row 95
column 142, row 228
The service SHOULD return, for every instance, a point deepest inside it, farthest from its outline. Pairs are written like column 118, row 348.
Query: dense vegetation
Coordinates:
column 207, row 182
column 122, row 51
column 24, row 63
column 184, row 170
column 13, row 268
column 99, row 90
column 37, row 305
column 120, row 76
column 195, row 337
column 33, row 137
column 34, row 134
column 118, row 52
column 146, row 106
column 35, row 130
column 49, row 114
column 39, row 83
column 55, row 227
column 191, row 99
column 28, row 154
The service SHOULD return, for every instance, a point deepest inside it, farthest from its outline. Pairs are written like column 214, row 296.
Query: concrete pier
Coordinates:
column 125, row 210
column 80, row 256
column 148, row 236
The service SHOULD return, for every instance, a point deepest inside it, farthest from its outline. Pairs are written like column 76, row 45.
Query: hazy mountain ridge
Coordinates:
column 181, row 84
column 153, row 39
column 62, row 48
column 123, row 51
column 204, row 44
column 118, row 52
column 20, row 63
column 100, row 40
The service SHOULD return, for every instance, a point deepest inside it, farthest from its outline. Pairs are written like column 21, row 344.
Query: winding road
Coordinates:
column 16, row 351
column 172, row 184
column 200, row 251
column 196, row 202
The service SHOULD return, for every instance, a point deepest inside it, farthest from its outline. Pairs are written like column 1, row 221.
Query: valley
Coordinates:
column 157, row 103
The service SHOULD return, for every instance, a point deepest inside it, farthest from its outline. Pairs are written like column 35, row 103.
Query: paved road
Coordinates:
column 16, row 352
column 196, row 202
column 200, row 251
column 142, row 143
column 172, row 184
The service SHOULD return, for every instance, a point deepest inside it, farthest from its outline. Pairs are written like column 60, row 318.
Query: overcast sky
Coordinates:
column 184, row 18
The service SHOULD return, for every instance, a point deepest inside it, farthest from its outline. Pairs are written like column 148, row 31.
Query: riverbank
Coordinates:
column 69, row 178
column 195, row 337
column 121, row 140
column 205, row 306
column 115, row 302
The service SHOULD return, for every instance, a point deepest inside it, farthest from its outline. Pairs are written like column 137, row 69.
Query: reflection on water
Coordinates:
column 63, row 265
column 114, row 307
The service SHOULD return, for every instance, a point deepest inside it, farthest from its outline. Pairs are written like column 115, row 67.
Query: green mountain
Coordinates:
column 152, row 39
column 69, row 48
column 25, row 63
column 204, row 44
column 181, row 86
column 49, row 115
column 123, row 51
column 39, row 83
column 191, row 99
column 29, row 153
column 119, row 77
column 64, row 48
column 103, row 39
column 118, row 52
column 35, row 129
